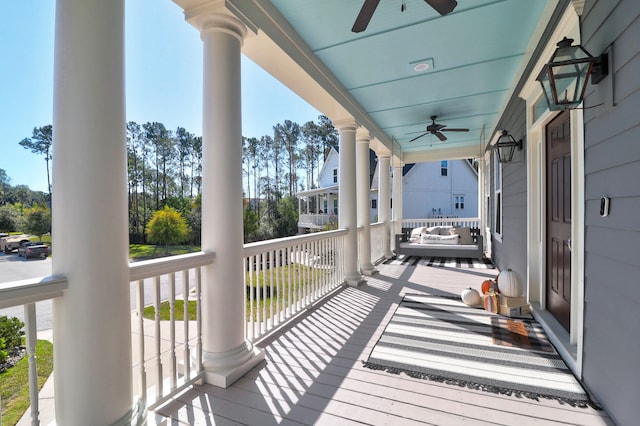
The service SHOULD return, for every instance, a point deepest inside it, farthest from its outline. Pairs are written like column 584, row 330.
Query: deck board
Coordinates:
column 313, row 373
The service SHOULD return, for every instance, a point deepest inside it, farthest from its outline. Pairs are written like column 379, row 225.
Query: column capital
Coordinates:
column 221, row 23
column 212, row 16
column 578, row 5
column 363, row 135
column 346, row 124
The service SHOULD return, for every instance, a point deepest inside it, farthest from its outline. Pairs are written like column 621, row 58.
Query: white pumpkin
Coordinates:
column 508, row 284
column 471, row 297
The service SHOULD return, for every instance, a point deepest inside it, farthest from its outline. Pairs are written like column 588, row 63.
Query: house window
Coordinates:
column 335, row 206
column 374, row 204
column 459, row 202
column 497, row 182
column 335, row 175
column 444, row 168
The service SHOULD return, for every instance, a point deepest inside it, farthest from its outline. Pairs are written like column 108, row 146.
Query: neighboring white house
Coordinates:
column 446, row 188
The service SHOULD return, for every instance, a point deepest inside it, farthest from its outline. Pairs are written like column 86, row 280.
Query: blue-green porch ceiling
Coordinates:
column 477, row 52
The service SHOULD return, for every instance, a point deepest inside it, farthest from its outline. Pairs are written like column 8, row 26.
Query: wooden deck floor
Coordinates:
column 313, row 372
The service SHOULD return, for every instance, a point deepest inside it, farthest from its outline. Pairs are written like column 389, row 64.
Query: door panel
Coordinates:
column 558, row 216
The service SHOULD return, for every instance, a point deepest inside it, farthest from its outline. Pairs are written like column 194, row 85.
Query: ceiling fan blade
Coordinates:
column 442, row 6
column 440, row 136
column 454, row 130
column 365, row 15
column 418, row 137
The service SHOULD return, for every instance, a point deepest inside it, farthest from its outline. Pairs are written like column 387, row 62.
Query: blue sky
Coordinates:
column 163, row 77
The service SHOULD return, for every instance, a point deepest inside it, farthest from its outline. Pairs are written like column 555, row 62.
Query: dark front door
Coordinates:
column 558, row 240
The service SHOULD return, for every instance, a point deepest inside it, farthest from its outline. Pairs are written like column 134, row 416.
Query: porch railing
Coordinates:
column 286, row 276
column 316, row 220
column 283, row 278
column 26, row 293
column 471, row 222
column 168, row 353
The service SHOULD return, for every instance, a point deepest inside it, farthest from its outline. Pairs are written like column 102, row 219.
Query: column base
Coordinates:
column 223, row 369
column 137, row 415
column 354, row 280
column 388, row 255
column 369, row 270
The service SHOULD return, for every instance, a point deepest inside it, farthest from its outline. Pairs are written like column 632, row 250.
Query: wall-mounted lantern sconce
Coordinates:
column 564, row 78
column 506, row 146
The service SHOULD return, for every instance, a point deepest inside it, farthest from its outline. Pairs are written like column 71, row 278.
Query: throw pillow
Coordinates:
column 444, row 230
column 434, row 230
column 415, row 234
column 448, row 239
column 465, row 235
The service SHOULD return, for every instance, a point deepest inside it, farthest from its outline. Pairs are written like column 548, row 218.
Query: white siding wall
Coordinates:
column 427, row 193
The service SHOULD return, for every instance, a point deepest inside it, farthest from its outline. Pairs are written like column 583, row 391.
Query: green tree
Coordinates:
column 38, row 221
column 167, row 226
column 22, row 193
column 328, row 135
column 184, row 144
column 287, row 224
column 40, row 143
column 251, row 225
column 10, row 219
column 5, row 182
column 11, row 331
column 287, row 135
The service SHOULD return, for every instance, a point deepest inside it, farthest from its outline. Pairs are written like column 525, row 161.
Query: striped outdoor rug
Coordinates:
column 451, row 262
column 447, row 341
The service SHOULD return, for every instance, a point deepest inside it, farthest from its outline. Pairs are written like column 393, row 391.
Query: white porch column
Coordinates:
column 482, row 198
column 384, row 204
column 363, row 190
column 92, row 321
column 347, row 217
column 397, row 200
column 227, row 356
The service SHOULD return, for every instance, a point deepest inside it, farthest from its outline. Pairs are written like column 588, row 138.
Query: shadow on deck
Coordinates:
column 313, row 372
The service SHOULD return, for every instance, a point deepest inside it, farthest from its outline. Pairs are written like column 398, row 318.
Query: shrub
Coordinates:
column 11, row 331
column 3, row 353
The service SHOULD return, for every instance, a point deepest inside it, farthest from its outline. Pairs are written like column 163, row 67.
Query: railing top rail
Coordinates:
column 17, row 293
column 166, row 265
column 262, row 246
column 447, row 219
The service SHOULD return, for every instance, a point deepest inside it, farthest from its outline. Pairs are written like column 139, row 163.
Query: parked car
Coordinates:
column 11, row 243
column 28, row 250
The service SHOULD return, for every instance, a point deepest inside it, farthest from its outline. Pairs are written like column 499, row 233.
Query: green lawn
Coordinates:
column 13, row 383
column 298, row 273
column 149, row 251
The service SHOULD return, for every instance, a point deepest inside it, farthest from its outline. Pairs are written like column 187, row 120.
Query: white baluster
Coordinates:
column 140, row 309
column 156, row 304
column 32, row 339
column 172, row 326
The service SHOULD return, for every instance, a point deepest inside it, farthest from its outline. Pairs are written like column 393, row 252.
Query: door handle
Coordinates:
column 569, row 245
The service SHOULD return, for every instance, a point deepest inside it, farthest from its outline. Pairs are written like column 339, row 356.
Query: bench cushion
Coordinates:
column 439, row 239
column 465, row 235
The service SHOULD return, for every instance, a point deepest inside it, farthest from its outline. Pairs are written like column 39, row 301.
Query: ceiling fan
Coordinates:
column 366, row 12
column 437, row 129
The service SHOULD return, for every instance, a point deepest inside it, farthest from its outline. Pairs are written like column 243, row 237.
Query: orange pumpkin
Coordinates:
column 488, row 285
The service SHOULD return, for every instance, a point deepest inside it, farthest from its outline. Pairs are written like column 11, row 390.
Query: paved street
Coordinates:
column 14, row 268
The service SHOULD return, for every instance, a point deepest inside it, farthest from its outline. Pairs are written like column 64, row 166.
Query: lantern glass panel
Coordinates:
column 569, row 81
column 570, row 53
